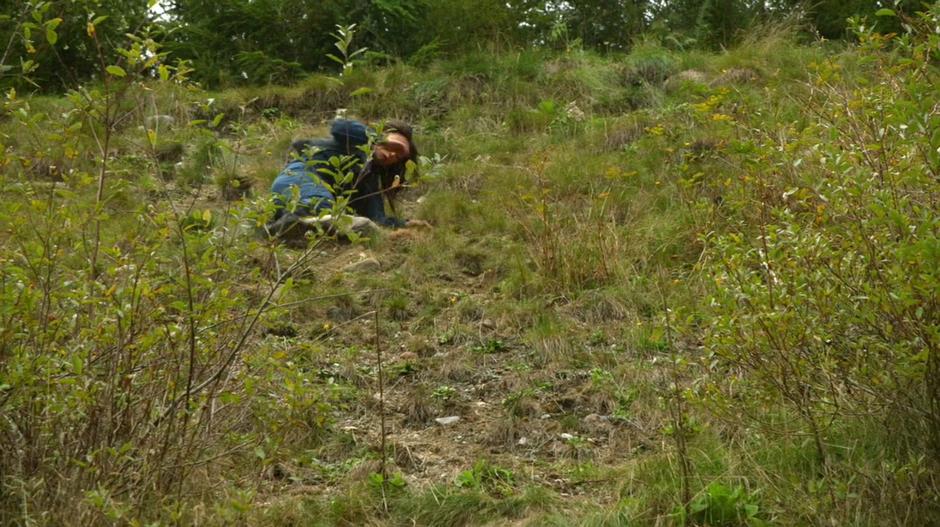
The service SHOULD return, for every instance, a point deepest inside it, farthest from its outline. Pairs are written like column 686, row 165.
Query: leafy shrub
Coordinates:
column 825, row 279
column 486, row 477
column 650, row 64
column 232, row 185
column 721, row 506
column 259, row 68
column 121, row 361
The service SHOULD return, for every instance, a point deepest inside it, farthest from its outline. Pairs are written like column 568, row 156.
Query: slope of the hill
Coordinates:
column 664, row 288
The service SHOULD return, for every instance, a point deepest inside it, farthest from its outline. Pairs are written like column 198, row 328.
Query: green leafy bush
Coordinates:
column 486, row 477
column 824, row 269
column 127, row 313
column 722, row 506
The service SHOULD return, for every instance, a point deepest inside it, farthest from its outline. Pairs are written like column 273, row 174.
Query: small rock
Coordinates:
column 342, row 225
column 487, row 323
column 408, row 355
column 363, row 226
column 688, row 76
column 546, row 416
column 566, row 436
column 363, row 266
column 445, row 421
column 736, row 76
column 523, row 441
column 597, row 424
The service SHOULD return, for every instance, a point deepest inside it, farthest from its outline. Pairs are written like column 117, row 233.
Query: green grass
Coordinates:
column 567, row 284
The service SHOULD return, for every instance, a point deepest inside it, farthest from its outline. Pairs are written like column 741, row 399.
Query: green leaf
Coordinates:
column 117, row 71
column 51, row 36
column 151, row 3
column 164, row 72
column 885, row 12
column 53, row 23
column 376, row 479
column 217, row 120
column 78, row 366
column 751, row 510
column 365, row 90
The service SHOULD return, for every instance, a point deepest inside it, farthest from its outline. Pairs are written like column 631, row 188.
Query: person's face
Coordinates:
column 391, row 150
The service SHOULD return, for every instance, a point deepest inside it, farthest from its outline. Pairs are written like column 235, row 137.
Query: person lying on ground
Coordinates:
column 309, row 184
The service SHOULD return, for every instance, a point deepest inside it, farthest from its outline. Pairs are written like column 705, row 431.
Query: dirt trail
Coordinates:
column 541, row 423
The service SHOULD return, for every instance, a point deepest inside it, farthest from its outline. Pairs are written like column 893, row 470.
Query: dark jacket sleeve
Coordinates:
column 368, row 200
column 373, row 208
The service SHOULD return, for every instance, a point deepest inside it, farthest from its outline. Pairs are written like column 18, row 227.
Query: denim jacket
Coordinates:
column 315, row 185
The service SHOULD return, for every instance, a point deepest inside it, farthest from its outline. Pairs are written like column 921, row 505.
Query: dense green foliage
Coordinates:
column 232, row 42
column 245, row 40
column 46, row 45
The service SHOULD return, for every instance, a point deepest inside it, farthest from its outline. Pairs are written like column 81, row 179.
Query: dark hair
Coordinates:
column 400, row 169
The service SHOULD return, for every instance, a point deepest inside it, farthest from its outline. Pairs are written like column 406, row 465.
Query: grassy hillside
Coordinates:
column 664, row 288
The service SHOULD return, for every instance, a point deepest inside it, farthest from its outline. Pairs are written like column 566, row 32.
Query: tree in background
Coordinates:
column 604, row 24
column 464, row 25
column 710, row 23
column 261, row 41
column 829, row 17
column 275, row 41
column 49, row 41
column 392, row 27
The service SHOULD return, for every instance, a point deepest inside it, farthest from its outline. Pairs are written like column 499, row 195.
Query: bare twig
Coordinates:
column 677, row 410
column 381, row 378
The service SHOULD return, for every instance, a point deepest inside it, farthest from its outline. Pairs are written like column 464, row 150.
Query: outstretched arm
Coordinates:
column 373, row 207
